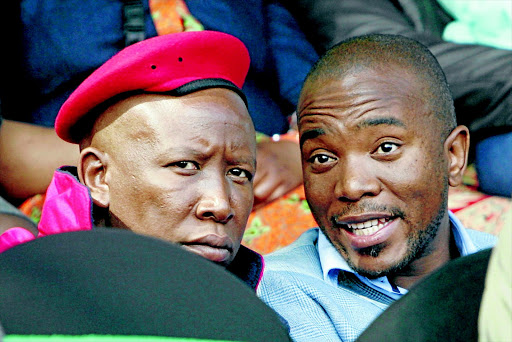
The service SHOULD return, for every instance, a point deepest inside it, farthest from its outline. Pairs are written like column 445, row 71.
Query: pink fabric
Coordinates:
column 261, row 272
column 13, row 237
column 67, row 206
column 158, row 64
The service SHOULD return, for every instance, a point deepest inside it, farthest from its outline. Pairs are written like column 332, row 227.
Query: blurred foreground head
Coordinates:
column 112, row 284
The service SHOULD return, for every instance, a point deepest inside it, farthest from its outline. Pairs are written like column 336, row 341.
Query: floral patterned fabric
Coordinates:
column 171, row 16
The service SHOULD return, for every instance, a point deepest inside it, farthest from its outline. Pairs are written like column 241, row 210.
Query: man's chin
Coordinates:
column 371, row 261
column 369, row 264
column 372, row 274
column 372, row 251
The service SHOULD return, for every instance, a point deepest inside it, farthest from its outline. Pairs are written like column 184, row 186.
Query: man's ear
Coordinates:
column 92, row 171
column 456, row 148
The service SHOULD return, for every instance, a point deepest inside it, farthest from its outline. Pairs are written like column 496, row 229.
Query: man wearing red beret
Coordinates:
column 167, row 149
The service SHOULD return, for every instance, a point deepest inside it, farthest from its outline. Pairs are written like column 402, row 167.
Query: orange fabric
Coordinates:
column 33, row 207
column 279, row 223
column 171, row 16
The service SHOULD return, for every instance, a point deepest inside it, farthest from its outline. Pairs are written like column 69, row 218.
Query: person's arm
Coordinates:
column 11, row 217
column 279, row 170
column 29, row 156
column 495, row 312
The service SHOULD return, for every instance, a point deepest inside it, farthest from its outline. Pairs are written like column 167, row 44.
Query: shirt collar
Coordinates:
column 330, row 259
column 332, row 262
column 247, row 266
column 460, row 234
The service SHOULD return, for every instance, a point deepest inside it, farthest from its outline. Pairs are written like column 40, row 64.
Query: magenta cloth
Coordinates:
column 67, row 206
column 159, row 64
column 13, row 237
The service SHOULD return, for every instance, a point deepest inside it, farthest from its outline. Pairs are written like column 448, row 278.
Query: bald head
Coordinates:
column 117, row 121
column 129, row 116
column 382, row 52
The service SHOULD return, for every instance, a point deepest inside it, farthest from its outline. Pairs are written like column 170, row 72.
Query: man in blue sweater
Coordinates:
column 380, row 147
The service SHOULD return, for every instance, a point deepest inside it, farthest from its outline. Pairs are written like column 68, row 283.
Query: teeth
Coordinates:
column 367, row 231
column 368, row 227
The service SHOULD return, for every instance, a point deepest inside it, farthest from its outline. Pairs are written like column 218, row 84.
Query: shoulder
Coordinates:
column 314, row 309
column 299, row 256
column 247, row 266
column 291, row 265
column 293, row 278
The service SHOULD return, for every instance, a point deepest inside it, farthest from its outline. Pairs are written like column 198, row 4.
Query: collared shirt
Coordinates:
column 332, row 262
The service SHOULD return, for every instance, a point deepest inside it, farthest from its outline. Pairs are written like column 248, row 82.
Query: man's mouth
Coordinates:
column 218, row 249
column 370, row 228
column 212, row 253
column 367, row 227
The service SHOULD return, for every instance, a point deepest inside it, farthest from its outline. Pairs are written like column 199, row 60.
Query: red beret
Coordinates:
column 176, row 64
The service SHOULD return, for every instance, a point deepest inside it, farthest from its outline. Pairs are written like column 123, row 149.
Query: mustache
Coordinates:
column 361, row 208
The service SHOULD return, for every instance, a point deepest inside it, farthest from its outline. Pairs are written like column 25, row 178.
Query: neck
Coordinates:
column 441, row 250
column 102, row 217
column 99, row 216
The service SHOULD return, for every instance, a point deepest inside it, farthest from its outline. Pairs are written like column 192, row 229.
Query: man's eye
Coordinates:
column 241, row 173
column 187, row 165
column 387, row 148
column 320, row 159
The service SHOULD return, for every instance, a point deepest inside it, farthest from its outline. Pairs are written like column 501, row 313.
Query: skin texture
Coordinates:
column 32, row 149
column 176, row 168
column 372, row 150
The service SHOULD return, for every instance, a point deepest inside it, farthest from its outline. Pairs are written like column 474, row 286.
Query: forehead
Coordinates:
column 355, row 97
column 152, row 119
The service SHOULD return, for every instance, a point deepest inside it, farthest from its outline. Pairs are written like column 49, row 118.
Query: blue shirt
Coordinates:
column 332, row 262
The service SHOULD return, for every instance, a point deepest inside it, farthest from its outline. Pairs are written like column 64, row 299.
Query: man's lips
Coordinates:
column 368, row 230
column 215, row 254
column 213, row 247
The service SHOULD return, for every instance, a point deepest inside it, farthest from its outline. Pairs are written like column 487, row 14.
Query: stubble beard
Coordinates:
column 418, row 245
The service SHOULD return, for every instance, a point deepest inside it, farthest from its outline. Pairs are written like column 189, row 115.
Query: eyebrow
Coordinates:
column 313, row 133
column 184, row 151
column 381, row 121
column 310, row 134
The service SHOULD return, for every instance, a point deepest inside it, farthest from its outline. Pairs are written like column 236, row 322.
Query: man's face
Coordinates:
column 182, row 170
column 374, row 170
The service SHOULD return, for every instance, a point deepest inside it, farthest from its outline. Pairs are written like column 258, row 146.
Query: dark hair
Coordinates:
column 377, row 50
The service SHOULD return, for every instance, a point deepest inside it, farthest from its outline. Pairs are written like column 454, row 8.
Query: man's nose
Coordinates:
column 215, row 200
column 356, row 178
